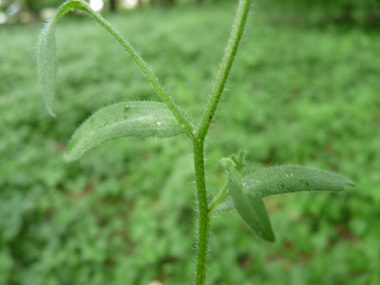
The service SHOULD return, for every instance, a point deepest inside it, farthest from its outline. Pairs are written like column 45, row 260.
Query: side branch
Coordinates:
column 178, row 114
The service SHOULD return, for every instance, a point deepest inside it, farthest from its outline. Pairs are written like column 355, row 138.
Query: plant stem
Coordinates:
column 204, row 219
column 178, row 114
column 200, row 134
column 225, row 67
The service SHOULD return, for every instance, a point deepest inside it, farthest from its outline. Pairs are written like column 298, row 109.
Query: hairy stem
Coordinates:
column 225, row 67
column 200, row 134
column 178, row 114
column 204, row 219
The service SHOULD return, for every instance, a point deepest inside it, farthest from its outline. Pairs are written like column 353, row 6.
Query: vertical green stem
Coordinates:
column 199, row 138
column 204, row 219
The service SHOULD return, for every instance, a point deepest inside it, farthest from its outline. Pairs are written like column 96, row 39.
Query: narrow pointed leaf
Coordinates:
column 251, row 207
column 290, row 178
column 46, row 64
column 46, row 53
column 139, row 119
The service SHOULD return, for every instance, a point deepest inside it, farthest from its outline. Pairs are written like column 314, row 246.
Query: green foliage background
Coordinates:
column 124, row 213
column 364, row 12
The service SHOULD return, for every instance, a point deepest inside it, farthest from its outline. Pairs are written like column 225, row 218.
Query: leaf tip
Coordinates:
column 68, row 157
column 270, row 238
column 51, row 112
column 350, row 183
column 267, row 235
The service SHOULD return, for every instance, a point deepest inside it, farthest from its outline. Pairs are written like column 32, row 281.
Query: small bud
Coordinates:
column 227, row 163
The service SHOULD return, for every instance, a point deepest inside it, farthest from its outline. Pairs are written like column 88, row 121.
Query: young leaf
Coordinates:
column 290, row 178
column 140, row 119
column 250, row 206
column 240, row 160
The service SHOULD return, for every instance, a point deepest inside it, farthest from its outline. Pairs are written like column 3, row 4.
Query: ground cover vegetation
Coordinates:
column 315, row 103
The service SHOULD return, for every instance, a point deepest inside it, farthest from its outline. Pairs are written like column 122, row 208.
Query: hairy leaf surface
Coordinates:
column 290, row 178
column 139, row 119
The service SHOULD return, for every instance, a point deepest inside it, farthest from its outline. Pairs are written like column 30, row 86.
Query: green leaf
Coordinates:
column 140, row 119
column 46, row 64
column 290, row 179
column 250, row 206
column 46, row 53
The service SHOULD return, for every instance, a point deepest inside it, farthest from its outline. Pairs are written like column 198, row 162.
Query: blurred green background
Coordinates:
column 304, row 90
